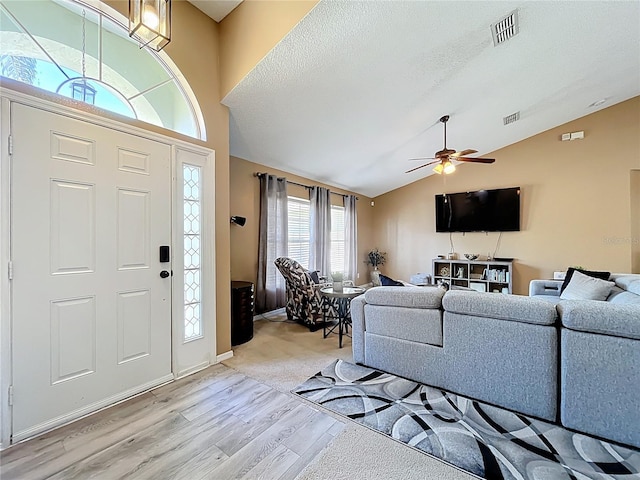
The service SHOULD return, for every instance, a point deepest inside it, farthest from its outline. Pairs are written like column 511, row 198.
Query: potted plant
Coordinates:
column 375, row 257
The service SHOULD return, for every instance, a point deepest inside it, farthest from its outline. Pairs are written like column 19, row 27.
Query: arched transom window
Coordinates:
column 83, row 51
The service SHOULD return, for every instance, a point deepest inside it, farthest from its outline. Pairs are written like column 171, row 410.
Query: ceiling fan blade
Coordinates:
column 423, row 158
column 477, row 160
column 425, row 165
column 464, row 153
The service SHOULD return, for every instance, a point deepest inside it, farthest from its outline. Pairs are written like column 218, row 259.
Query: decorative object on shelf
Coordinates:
column 478, row 286
column 493, row 276
column 471, row 256
column 150, row 23
column 452, row 256
column 337, row 279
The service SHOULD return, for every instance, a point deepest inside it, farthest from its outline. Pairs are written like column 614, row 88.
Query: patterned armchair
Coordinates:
column 304, row 301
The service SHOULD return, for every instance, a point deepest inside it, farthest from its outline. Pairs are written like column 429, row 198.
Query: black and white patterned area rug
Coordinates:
column 487, row 441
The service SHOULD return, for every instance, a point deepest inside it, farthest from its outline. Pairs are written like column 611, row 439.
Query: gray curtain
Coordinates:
column 350, row 237
column 271, row 287
column 319, row 250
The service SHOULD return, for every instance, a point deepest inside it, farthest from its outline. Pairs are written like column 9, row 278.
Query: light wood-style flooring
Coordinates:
column 216, row 424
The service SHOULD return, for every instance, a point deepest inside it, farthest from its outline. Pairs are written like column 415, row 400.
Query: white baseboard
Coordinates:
column 224, row 356
column 88, row 410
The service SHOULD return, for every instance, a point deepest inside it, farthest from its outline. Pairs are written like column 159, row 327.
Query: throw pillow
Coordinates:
column 314, row 276
column 570, row 270
column 389, row 282
column 584, row 287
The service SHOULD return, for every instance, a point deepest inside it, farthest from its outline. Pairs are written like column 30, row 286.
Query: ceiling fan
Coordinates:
column 443, row 157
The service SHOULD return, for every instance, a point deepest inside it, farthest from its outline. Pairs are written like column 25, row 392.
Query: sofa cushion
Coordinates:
column 389, row 282
column 620, row 296
column 589, row 273
column 584, row 287
column 413, row 324
column 629, row 282
column 601, row 317
column 498, row 305
column 416, row 297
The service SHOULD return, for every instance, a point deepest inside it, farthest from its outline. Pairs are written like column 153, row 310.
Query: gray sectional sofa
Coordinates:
column 567, row 361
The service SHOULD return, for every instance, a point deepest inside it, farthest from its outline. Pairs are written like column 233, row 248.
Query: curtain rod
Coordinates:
column 259, row 174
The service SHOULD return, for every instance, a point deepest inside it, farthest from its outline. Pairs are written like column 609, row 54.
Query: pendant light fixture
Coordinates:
column 81, row 89
column 150, row 22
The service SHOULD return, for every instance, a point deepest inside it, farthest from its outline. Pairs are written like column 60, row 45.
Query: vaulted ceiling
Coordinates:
column 357, row 88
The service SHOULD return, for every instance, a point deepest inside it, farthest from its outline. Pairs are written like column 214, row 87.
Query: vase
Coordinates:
column 375, row 276
column 337, row 286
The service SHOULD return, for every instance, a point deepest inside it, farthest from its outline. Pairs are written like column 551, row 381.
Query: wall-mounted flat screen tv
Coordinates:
column 481, row 211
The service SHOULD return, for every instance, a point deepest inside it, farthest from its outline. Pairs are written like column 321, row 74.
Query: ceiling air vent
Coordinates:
column 505, row 28
column 514, row 117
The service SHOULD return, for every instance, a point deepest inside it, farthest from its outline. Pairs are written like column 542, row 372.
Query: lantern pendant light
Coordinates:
column 150, row 22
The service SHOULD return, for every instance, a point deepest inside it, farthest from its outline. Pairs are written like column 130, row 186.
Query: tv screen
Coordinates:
column 482, row 211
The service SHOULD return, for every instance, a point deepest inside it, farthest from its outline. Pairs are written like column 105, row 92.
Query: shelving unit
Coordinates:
column 484, row 276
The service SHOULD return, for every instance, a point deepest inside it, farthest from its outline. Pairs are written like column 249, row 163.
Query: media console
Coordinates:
column 481, row 275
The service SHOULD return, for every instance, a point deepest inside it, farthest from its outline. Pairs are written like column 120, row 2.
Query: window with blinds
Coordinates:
column 299, row 235
column 337, row 239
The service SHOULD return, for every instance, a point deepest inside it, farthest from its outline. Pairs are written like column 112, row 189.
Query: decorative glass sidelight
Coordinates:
column 192, row 251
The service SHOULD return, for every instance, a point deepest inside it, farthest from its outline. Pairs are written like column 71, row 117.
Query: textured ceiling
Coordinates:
column 357, row 88
column 216, row 9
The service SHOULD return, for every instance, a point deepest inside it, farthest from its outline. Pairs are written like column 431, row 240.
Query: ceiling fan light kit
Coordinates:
column 443, row 157
column 449, row 167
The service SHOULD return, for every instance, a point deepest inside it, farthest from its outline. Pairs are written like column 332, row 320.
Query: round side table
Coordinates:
column 343, row 299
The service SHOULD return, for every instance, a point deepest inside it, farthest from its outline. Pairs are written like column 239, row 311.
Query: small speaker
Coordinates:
column 238, row 220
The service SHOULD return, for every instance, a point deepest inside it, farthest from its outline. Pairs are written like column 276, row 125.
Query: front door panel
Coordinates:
column 91, row 314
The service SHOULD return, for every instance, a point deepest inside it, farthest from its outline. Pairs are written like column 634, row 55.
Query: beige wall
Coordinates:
column 634, row 240
column 200, row 66
column 245, row 202
column 575, row 202
column 250, row 31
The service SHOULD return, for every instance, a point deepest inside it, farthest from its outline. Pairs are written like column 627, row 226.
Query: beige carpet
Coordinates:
column 283, row 355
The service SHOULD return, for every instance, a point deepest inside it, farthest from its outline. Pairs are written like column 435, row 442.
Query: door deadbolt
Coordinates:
column 164, row 274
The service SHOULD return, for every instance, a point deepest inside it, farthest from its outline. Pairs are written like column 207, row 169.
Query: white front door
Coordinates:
column 91, row 314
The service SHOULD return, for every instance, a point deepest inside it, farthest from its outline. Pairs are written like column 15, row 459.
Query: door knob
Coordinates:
column 164, row 274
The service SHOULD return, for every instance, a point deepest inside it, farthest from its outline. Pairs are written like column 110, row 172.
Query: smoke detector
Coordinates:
column 514, row 117
column 505, row 28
